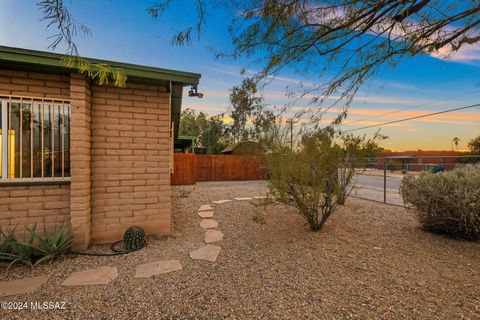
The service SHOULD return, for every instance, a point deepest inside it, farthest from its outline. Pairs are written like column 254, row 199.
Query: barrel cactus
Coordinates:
column 134, row 238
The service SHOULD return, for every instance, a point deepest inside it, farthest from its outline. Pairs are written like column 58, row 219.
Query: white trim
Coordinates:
column 4, row 127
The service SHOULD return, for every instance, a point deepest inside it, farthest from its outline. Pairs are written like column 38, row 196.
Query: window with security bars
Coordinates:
column 34, row 138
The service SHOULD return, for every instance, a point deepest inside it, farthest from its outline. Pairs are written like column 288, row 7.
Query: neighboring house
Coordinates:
column 95, row 156
column 244, row 148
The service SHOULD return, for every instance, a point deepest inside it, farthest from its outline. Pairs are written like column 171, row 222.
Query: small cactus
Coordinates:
column 134, row 238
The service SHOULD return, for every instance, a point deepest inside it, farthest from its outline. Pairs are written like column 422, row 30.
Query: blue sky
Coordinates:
column 123, row 31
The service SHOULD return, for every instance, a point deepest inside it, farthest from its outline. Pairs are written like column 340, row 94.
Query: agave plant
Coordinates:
column 52, row 244
column 37, row 247
column 14, row 251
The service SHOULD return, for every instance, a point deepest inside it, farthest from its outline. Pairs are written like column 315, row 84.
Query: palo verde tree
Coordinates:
column 350, row 39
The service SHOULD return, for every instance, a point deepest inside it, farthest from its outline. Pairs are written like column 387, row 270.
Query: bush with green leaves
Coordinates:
column 37, row 247
column 446, row 202
column 307, row 179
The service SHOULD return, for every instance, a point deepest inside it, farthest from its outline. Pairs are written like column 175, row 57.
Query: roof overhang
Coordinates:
column 53, row 62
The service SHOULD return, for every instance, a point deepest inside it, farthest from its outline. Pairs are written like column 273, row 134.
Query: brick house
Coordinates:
column 97, row 157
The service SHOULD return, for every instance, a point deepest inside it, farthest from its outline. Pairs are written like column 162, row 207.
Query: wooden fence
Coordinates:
column 189, row 168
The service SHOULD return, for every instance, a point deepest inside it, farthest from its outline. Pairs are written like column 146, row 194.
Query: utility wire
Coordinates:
column 413, row 118
column 412, row 107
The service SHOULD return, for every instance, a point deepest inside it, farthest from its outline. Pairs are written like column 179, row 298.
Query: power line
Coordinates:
column 413, row 118
column 412, row 107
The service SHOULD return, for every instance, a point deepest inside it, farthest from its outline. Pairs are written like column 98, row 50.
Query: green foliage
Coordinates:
column 474, row 145
column 259, row 218
column 210, row 130
column 447, row 202
column 307, row 179
column 250, row 118
column 134, row 238
column 352, row 149
column 36, row 248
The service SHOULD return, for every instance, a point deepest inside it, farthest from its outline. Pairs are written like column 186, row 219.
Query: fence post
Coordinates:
column 385, row 161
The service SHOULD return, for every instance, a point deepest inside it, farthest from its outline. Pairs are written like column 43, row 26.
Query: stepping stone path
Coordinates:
column 148, row 270
column 221, row 201
column 22, row 286
column 208, row 224
column 102, row 275
column 105, row 275
column 205, row 214
column 213, row 236
column 208, row 253
column 205, row 207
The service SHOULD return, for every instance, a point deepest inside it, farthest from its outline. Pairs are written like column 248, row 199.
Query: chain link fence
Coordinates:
column 379, row 179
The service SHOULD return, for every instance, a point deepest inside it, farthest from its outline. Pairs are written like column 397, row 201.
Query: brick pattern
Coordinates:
column 22, row 206
column 130, row 160
column 45, row 205
column 32, row 84
column 119, row 160
column 80, row 160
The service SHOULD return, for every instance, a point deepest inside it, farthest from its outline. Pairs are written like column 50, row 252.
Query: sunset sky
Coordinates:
column 123, row 31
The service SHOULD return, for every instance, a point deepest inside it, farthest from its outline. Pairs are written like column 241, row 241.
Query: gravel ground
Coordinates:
column 371, row 261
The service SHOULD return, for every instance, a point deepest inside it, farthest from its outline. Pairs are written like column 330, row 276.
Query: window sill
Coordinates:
column 34, row 182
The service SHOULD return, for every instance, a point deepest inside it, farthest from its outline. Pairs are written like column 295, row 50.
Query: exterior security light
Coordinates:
column 194, row 93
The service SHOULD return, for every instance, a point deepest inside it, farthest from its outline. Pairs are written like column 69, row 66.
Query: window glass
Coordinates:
column 37, row 140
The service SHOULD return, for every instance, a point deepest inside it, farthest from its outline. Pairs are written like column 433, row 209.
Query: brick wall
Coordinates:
column 80, row 160
column 34, row 84
column 45, row 205
column 22, row 206
column 119, row 160
column 130, row 159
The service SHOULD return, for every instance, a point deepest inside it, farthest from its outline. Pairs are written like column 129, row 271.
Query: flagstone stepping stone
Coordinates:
column 22, row 286
column 221, row 201
column 205, row 214
column 213, row 236
column 243, row 198
column 208, row 253
column 148, row 270
column 102, row 275
column 205, row 207
column 208, row 224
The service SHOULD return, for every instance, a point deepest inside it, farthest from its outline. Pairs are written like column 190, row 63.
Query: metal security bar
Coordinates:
column 379, row 179
column 34, row 138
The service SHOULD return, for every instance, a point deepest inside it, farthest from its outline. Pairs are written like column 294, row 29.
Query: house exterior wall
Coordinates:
column 130, row 160
column 44, row 205
column 119, row 160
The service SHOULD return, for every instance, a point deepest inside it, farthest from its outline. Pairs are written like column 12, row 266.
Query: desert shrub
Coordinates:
column 307, row 179
column 185, row 193
column 259, row 218
column 447, row 202
column 37, row 247
column 353, row 149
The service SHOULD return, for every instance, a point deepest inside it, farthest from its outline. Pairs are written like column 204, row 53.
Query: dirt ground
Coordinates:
column 371, row 261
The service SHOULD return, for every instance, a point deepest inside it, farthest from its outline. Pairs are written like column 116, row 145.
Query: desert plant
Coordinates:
column 36, row 248
column 307, row 179
column 134, row 238
column 185, row 193
column 52, row 244
column 14, row 251
column 259, row 218
column 447, row 202
column 351, row 149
